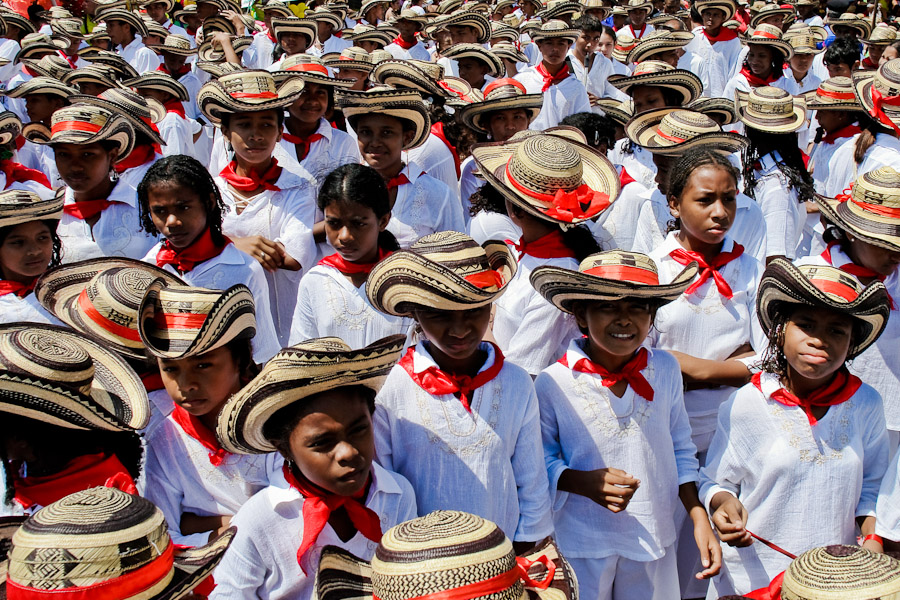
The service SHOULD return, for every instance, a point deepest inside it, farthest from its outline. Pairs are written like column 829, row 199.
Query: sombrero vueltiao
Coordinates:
column 278, row 8
column 52, row 65
column 310, row 69
column 411, row 74
column 720, row 109
column 502, row 31
column 502, row 94
column 84, row 124
column 853, row 21
column 770, row 109
column 659, row 74
column 841, row 573
column 468, row 18
column 658, row 41
column 555, row 29
column 125, row 16
column 295, row 373
column 447, row 270
column 617, row 110
column 157, row 80
column 871, row 211
column 881, row 36
column 10, row 127
column 96, row 56
column 559, row 8
column 103, row 540
column 98, row 74
column 20, row 206
column 804, row 43
column 367, row 33
column 446, row 554
column 304, row 27
column 246, row 91
column 768, row 10
column 174, row 44
column 886, row 81
column 324, row 15
column 508, row 51
column 11, row 18
column 625, row 43
column 729, row 7
column 353, row 58
column 835, row 93
column 769, row 35
column 463, row 92
column 478, row 52
column 823, row 287
column 36, row 45
column 129, row 105
column 672, row 132
column 400, row 104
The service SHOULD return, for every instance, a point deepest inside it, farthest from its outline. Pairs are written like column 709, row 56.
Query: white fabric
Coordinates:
column 843, row 171
column 417, row 52
column 616, row 226
column 424, row 205
column 887, row 507
column 797, row 88
column 192, row 84
column 135, row 175
column 337, row 148
column 710, row 67
column 29, row 186
column 262, row 50
column 635, row 160
column 451, row 67
column 336, row 45
column 596, row 81
column 8, row 50
column 139, row 56
column 24, row 310
column 820, row 161
column 565, row 98
column 617, row 578
column 40, row 158
column 468, row 185
column 730, row 51
column 177, row 133
column 785, row 216
column 435, row 158
column 640, row 33
column 493, row 226
column 16, row 105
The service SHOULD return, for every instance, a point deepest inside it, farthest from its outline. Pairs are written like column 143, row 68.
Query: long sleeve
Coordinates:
column 535, row 522
column 685, row 451
column 547, row 390
column 876, row 452
column 303, row 325
column 240, row 574
column 724, row 470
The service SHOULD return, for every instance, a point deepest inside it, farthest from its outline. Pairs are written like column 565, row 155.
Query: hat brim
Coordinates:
column 646, row 49
column 719, row 109
column 339, row 64
column 871, row 228
column 37, row 67
column 215, row 101
column 312, row 77
column 162, row 49
column 10, row 127
column 641, row 130
column 162, row 84
column 784, row 47
column 684, row 82
column 206, row 52
column 472, row 19
column 117, row 130
column 402, row 74
column 17, row 213
column 118, row 110
column 862, row 87
column 473, row 114
column 355, row 104
column 729, row 8
column 492, row 61
column 38, row 86
column 785, row 124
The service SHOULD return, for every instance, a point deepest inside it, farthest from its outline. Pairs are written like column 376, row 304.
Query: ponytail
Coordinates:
column 870, row 128
column 580, row 240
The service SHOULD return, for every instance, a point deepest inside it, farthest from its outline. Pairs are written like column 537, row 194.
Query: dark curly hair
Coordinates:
column 51, row 224
column 359, row 184
column 487, row 199
column 684, row 167
column 791, row 164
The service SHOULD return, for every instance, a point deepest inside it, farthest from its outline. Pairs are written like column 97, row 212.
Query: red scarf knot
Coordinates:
column 255, row 180
column 625, row 178
column 303, row 143
column 725, row 35
column 195, row 429
column 756, row 82
column 438, row 130
column 403, row 43
column 686, row 257
column 630, row 372
column 446, row 86
column 581, row 203
column 141, row 155
column 395, row 182
column 21, row 290
column 175, row 106
column 854, row 269
column 877, row 110
column 79, row 474
column 552, row 245
column 184, row 70
column 552, row 79
column 87, row 209
column 437, row 382
column 16, row 173
column 350, row 268
column 868, row 65
column 841, row 389
column 843, row 132
column 68, row 59
column 185, row 259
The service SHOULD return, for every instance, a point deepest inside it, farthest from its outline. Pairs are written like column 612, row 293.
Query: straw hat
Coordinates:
column 130, row 105
column 857, row 22
column 310, row 69
column 835, row 93
column 324, row 15
column 36, row 45
column 605, row 276
column 10, row 127
column 52, row 65
column 216, row 23
column 353, row 58
column 769, row 35
column 110, row 59
column 468, row 18
column 246, row 91
column 770, row 109
column 444, row 554
column 400, row 104
column 502, row 31
column 170, row 4
column 157, row 80
column 646, row 5
column 871, row 211
column 551, row 178
column 463, row 94
column 98, row 34
column 445, row 271
column 368, row 5
column 125, row 16
column 560, row 8
column 820, row 34
column 190, row 9
column 217, row 69
column 881, row 36
column 99, row 539
column 769, row 10
column 174, row 44
column 672, row 132
column 19, row 206
column 367, row 33
column 42, row 85
column 886, row 81
column 841, row 572
column 67, row 27
column 729, row 7
column 804, row 43
column 411, row 16
column 295, row 373
column 55, row 12
column 823, row 287
column 11, row 18
column 305, row 27
column 99, row 74
column 508, row 51
column 447, row 7
column 501, row 94
column 478, row 52
column 207, row 52
column 154, row 29
column 720, row 109
column 656, row 42
column 101, row 298
column 419, row 75
column 595, row 5
column 555, row 29
column 659, row 74
column 84, row 124
column 279, row 8
column 625, row 43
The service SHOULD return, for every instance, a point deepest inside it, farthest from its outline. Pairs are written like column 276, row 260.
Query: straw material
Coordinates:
column 672, row 132
column 771, row 36
column 617, row 110
column 841, row 573
column 324, row 15
column 835, row 93
column 174, row 44
column 857, row 22
column 208, row 52
column 770, row 109
column 468, row 18
column 128, row 105
column 100, row 124
column 767, row 10
column 720, row 109
column 14, row 19
column 555, row 29
column 308, row 68
column 659, row 74
column 478, row 52
column 508, row 51
column 804, row 43
column 352, row 58
column 36, row 45
column 658, row 41
column 246, row 91
column 560, row 8
column 110, row 59
column 886, row 81
column 729, row 7
column 304, row 27
column 67, row 27
column 625, row 43
column 52, row 65
column 368, row 33
column 411, row 74
column 19, row 206
column 125, row 16
column 157, row 80
column 872, row 209
column 99, row 74
column 881, row 36
column 463, row 93
column 279, row 9
column 502, row 31
column 501, row 94
column 401, row 104
column 10, row 127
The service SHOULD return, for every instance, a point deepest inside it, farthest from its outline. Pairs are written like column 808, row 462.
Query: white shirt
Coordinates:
column 615, row 227
column 585, row 427
column 710, row 67
column 17, row 105
column 565, row 98
column 335, row 149
column 436, row 159
column 785, row 216
column 887, row 507
column 468, row 184
column 417, row 52
column 486, row 462
column 262, row 51
column 843, row 170
column 139, row 56
column 24, row 310
column 423, row 206
column 488, row 225
column 637, row 162
column 174, row 29
column 262, row 560
column 192, row 84
column 646, row 30
column 809, row 84
column 40, row 158
column 8, row 50
column 596, row 81
column 814, row 21
column 178, row 135
column 135, row 175
column 731, row 51
column 29, row 186
column 820, row 161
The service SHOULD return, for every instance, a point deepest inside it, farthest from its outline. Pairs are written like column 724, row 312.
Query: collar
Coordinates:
column 137, row 41
column 121, row 193
column 423, row 360
column 671, row 243
column 382, row 483
column 838, row 257
column 412, row 170
column 325, row 129
column 769, row 162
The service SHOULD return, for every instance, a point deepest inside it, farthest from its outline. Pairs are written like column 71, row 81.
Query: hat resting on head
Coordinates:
column 835, row 93
column 883, row 106
column 400, row 104
column 770, row 109
column 672, row 132
column 656, row 73
column 20, row 206
column 871, row 211
column 246, row 91
column 501, row 94
column 84, row 124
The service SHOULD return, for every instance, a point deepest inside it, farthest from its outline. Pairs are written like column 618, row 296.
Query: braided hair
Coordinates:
column 791, row 164
column 684, row 167
column 870, row 128
column 359, row 184
column 189, row 173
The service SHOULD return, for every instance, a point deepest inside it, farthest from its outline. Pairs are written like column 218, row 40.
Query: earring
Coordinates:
column 113, row 175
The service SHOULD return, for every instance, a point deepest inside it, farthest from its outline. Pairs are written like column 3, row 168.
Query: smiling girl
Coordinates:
column 764, row 62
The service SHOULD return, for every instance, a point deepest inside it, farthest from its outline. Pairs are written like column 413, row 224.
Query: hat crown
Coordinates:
column 33, row 353
column 855, row 571
column 652, row 66
column 456, row 251
column 432, row 70
column 768, row 101
column 622, row 265
column 505, row 87
column 887, row 80
column 837, row 285
column 355, row 53
column 128, row 100
column 881, row 187
column 177, row 41
column 93, row 115
column 554, row 25
column 545, row 164
column 882, row 34
column 764, row 31
column 682, row 125
column 248, row 82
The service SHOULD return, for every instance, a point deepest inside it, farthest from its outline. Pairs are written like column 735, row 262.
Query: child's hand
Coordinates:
column 611, row 488
column 267, row 252
column 729, row 519
column 220, row 39
column 224, row 524
column 710, row 549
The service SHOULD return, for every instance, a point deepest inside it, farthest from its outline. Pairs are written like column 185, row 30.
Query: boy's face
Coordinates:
column 473, row 71
column 381, row 139
column 253, row 136
column 554, row 50
column 638, row 17
column 713, row 18
column 802, row 62
column 177, row 213
column 454, row 334
column 463, row 34
column 588, row 42
column 201, row 384
column 839, row 69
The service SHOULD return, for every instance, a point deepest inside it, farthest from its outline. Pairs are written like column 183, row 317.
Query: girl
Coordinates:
column 179, row 201
column 764, row 63
column 312, row 404
column 838, row 113
column 601, row 405
column 295, row 36
column 454, row 417
column 332, row 299
column 801, row 427
column 202, row 341
column 354, row 64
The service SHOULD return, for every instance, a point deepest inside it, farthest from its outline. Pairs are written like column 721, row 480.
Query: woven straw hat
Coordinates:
column 478, row 52
column 625, row 43
column 550, row 177
column 613, row 275
column 871, row 211
column 325, row 15
column 19, row 206
column 55, row 12
column 768, row 10
column 560, row 8
column 885, row 81
column 36, row 45
column 444, row 271
column 125, row 16
column 295, row 373
column 502, row 31
column 157, row 80
column 770, row 109
column 659, row 74
column 769, row 35
column 819, row 33
column 278, row 8
column 110, row 59
column 57, row 376
column 501, row 94
column 67, row 27
column 246, row 91
column 170, row 4
column 52, row 65
column 154, row 29
column 672, row 132
column 413, row 17
column 216, row 23
column 823, row 287
column 368, row 5
column 304, row 27
column 835, row 93
column 10, row 127
column 646, row 5
column 468, row 18
column 400, row 104
column 310, row 69
column 720, row 109
column 841, row 573
column 352, row 58
column 463, row 93
column 508, row 51
column 101, row 539
column 411, row 74
column 84, row 124
column 98, row 34
column 13, row 19
column 368, row 33
column 130, row 105
column 656, row 42
column 447, row 7
column 217, row 69
column 99, row 74
column 857, row 22
column 729, row 7
column 207, row 52
column 446, row 554
column 881, row 36
column 555, row 29
column 174, row 44
column 804, row 43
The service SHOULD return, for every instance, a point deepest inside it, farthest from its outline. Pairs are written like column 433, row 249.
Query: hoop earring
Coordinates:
column 113, row 175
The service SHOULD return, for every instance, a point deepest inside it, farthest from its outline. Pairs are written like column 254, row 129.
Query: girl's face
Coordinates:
column 253, row 136
column 834, row 120
column 816, row 343
column 352, row 229
column 759, row 60
column 332, row 443
column 881, row 260
column 84, row 167
column 707, row 206
column 201, row 384
column 359, row 78
column 647, row 97
column 503, row 124
column 177, row 212
column 26, row 252
column 311, row 105
column 369, row 46
column 802, row 62
column 607, row 43
column 875, row 52
column 454, row 334
column 889, row 53
column 473, row 71
column 615, row 329
column 381, row 139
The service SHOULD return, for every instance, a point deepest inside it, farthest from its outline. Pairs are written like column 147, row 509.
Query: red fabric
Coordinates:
column 184, row 70
column 438, row 130
column 841, row 389
column 87, row 209
column 552, row 245
column 437, row 382
column 403, row 43
column 867, row 64
column 271, row 36
column 81, row 473
column 255, row 180
column 304, row 143
column 770, row 592
column 175, row 106
column 141, row 155
column 685, row 257
column 725, row 35
column 74, row 126
column 638, row 34
column 184, row 260
column 348, row 268
column 625, row 178
column 756, row 82
column 856, row 270
column 20, row 142
column 630, row 373
column 318, row 506
column 30, row 71
column 14, row 287
column 67, row 59
column 552, row 79
column 844, row 132
column 497, row 583
column 624, row 273
column 195, row 428
column 566, row 206
column 16, row 173
column 395, row 182
column 877, row 111
column 152, row 381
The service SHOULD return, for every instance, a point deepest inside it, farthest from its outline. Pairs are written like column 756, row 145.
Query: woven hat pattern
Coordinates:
column 478, row 52
column 729, row 7
column 305, row 27
column 658, row 41
column 353, row 57
column 881, row 36
column 769, row 35
column 126, row 16
column 660, row 74
column 835, row 93
column 10, row 127
column 886, row 81
column 468, row 18
column 771, row 109
column 401, row 104
column 872, row 209
column 246, row 91
column 502, row 94
column 854, row 21
column 20, row 206
column 555, row 29
column 157, row 80
column 84, row 124
column 174, row 44
column 52, row 65
column 834, row 572
column 674, row 132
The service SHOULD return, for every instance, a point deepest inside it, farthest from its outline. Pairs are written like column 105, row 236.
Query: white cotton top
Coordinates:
column 493, row 226
column 585, row 427
column 435, row 158
column 887, row 507
column 192, row 84
column 820, row 161
column 595, row 80
column 40, row 158
column 615, row 227
column 29, row 186
column 139, row 56
column 485, row 462
column 710, row 67
column 843, row 170
column 181, row 479
column 451, row 67
column 637, row 162
column 802, row 485
column 16, row 105
column 639, row 34
column 532, row 332
column 468, row 185
column 565, row 98
column 708, row 325
column 730, row 51
column 135, row 175
column 24, row 310
column 424, row 205
column 262, row 51
column 262, row 560
column 178, row 135
column 335, row 149
column 9, row 49
column 785, row 216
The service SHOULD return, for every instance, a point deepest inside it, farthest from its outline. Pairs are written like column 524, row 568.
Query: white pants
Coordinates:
column 617, row 578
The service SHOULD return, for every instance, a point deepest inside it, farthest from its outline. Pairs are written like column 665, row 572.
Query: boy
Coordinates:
column 842, row 57
column 716, row 37
column 125, row 30
column 638, row 11
column 590, row 66
column 409, row 23
column 174, row 52
column 476, row 65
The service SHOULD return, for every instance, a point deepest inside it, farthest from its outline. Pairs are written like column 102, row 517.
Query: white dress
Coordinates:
column 424, row 205
column 565, row 98
column 785, row 216
column 636, row 161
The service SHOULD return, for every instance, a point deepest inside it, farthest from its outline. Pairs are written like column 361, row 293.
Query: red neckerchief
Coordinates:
column 318, row 506
column 397, row 181
column 552, row 245
column 16, row 173
column 437, row 382
column 625, row 178
column 271, row 37
column 29, row 71
column 867, row 64
column 68, row 60
column 725, row 35
column 141, row 155
column 771, row 591
column 844, row 132
column 637, row 35
column 175, row 106
column 87, row 209
column 841, row 389
column 855, row 270
column 631, row 373
column 184, row 260
column 184, row 70
column 337, row 261
column 195, row 428
column 303, row 143
column 255, row 180
column 552, row 79
column 686, row 257
column 79, row 474
column 438, row 130
column 404, row 44
column 14, row 287
column 152, row 381
column 756, row 82
column 192, row 31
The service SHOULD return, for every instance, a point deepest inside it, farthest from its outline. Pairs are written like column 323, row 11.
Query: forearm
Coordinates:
column 687, row 492
column 729, row 372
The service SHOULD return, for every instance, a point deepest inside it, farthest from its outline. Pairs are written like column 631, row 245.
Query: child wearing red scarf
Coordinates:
column 764, row 62
column 800, row 451
column 175, row 128
column 716, row 37
column 617, row 440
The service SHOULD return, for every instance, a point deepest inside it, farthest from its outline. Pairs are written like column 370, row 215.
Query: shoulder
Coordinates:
column 664, row 363
column 432, row 185
column 516, row 375
column 389, row 482
column 868, row 398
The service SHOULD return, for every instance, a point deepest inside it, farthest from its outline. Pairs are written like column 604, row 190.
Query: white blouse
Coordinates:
column 615, row 227
column 337, row 148
column 843, row 170
column 24, row 310
column 785, row 216
column 435, row 158
column 636, row 161
column 40, row 158
column 139, row 56
column 488, row 225
column 565, row 98
column 423, row 206
column 135, row 175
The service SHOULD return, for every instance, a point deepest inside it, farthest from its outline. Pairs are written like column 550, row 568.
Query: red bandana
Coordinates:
column 348, row 268
column 878, row 103
column 395, row 182
column 625, row 178
column 16, row 173
column 175, row 106
column 303, row 143
column 404, row 44
column 318, row 506
column 756, row 82
column 841, row 389
column 184, row 70
column 81, row 473
column 184, row 260
column 271, row 36
column 867, row 64
column 67, row 59
column 14, row 287
column 685, row 257
column 856, row 270
column 87, row 209
column 725, row 35
column 551, row 245
column 438, row 130
column 552, row 79
column 637, row 35
column 254, row 181
column 771, row 591
column 153, row 381
column 192, row 426
column 845, row 132
column 140, row 156
column 438, row 382
column 631, row 373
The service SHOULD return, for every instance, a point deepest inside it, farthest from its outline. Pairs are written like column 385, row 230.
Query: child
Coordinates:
column 476, row 65
column 409, row 23
column 125, row 30
column 313, row 404
column 764, row 64
column 13, row 175
column 715, row 36
column 881, row 38
column 798, row 79
column 329, row 25
column 799, row 452
column 842, row 57
column 591, row 67
column 354, row 64
column 294, row 36
column 174, row 128
column 638, row 11
column 601, row 405
column 202, row 341
column 455, row 417
column 331, row 297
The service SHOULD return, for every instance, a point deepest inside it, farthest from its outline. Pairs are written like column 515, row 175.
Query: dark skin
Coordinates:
column 177, row 212
column 381, row 140
column 26, row 252
column 40, row 107
column 173, row 62
column 85, row 169
column 352, row 229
